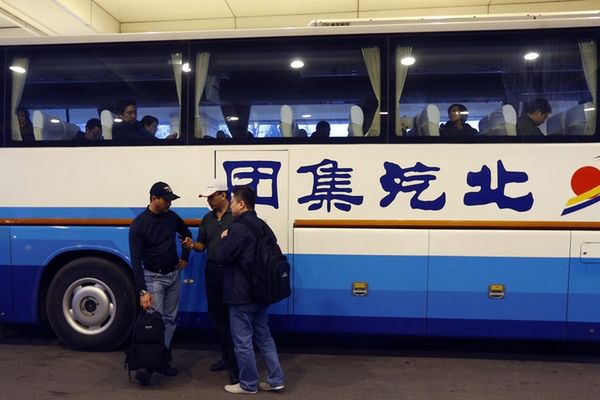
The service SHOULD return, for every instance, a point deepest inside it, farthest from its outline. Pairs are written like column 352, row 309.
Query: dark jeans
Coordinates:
column 218, row 312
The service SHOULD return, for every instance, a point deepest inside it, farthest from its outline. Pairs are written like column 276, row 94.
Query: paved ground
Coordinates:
column 38, row 367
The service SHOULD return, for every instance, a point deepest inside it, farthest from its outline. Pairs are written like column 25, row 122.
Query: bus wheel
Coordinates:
column 91, row 304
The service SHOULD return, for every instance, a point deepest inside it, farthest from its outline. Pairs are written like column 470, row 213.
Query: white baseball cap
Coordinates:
column 213, row 187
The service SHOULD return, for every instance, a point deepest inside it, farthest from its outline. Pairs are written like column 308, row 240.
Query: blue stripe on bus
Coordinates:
column 535, row 288
column 91, row 212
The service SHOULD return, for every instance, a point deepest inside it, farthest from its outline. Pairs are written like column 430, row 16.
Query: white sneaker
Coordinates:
column 237, row 389
column 269, row 388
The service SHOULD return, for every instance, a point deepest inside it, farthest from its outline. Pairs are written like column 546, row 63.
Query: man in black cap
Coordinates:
column 155, row 262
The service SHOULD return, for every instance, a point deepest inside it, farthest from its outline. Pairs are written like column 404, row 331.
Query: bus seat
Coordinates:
column 106, row 119
column 576, row 119
column 500, row 122
column 45, row 129
column 555, row 125
column 357, row 118
column 427, row 122
column 286, row 121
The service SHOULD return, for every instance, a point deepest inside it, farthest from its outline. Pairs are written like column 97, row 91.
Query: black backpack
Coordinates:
column 147, row 348
column 270, row 273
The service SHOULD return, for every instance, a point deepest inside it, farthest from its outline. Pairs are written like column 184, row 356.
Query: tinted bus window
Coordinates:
column 490, row 87
column 58, row 91
column 267, row 90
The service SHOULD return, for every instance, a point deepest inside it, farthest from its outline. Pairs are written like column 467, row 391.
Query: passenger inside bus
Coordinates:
column 25, row 124
column 93, row 131
column 457, row 122
column 322, row 130
column 535, row 112
column 302, row 133
column 129, row 128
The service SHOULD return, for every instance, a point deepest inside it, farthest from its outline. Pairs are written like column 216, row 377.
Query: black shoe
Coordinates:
column 234, row 377
column 220, row 365
column 143, row 376
column 171, row 371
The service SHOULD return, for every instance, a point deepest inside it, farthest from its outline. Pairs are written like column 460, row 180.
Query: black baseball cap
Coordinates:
column 162, row 189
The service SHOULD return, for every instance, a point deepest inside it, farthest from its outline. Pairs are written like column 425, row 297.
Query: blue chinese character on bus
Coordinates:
column 329, row 186
column 413, row 179
column 487, row 195
column 257, row 175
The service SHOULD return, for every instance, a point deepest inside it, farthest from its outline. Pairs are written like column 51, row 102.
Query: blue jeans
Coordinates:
column 165, row 298
column 248, row 322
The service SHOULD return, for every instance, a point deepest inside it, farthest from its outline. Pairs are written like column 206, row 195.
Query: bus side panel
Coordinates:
column 531, row 266
column 33, row 247
column 5, row 278
column 584, row 287
column 392, row 263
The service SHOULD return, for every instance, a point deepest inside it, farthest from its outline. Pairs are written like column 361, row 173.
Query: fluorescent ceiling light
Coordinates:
column 296, row 64
column 408, row 61
column 532, row 55
column 17, row 69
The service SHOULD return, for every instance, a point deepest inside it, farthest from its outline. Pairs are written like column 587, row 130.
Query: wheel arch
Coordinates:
column 62, row 259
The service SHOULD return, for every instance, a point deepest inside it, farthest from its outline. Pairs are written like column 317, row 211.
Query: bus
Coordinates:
column 392, row 224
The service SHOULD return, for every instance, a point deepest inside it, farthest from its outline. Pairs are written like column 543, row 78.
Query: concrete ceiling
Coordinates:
column 84, row 17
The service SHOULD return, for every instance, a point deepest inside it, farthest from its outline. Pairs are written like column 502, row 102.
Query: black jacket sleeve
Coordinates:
column 136, row 242
column 184, row 231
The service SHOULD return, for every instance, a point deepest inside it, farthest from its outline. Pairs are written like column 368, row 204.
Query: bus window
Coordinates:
column 513, row 87
column 271, row 91
column 57, row 91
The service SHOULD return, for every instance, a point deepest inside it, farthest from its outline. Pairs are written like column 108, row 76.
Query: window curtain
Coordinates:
column 202, row 61
column 177, row 62
column 401, row 72
column 373, row 63
column 18, row 85
column 590, row 67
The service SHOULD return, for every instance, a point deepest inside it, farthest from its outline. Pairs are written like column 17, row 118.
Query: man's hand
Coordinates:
column 188, row 243
column 224, row 234
column 181, row 264
column 146, row 301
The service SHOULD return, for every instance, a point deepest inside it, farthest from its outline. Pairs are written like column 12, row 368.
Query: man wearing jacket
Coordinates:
column 248, row 319
column 156, row 265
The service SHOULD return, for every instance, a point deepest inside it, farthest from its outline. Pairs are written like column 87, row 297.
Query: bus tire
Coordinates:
column 91, row 304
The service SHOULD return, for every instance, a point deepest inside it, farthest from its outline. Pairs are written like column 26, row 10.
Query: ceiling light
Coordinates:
column 383, row 113
column 232, row 118
column 408, row 61
column 589, row 109
column 17, row 69
column 186, row 67
column 118, row 120
column 55, row 121
column 532, row 55
column 464, row 113
column 306, row 115
column 296, row 64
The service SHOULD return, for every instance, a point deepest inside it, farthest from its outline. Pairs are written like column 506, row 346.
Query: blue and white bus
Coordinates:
column 391, row 225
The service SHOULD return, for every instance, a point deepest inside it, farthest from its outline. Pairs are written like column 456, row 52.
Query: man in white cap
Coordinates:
column 209, row 235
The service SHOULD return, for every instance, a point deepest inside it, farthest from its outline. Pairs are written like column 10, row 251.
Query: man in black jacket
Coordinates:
column 155, row 262
column 248, row 319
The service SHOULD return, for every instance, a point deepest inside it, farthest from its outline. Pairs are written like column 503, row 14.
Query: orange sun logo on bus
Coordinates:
column 585, row 183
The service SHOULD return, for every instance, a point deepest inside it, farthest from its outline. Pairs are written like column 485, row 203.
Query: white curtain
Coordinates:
column 202, row 60
column 177, row 63
column 373, row 63
column 590, row 67
column 18, row 84
column 401, row 71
